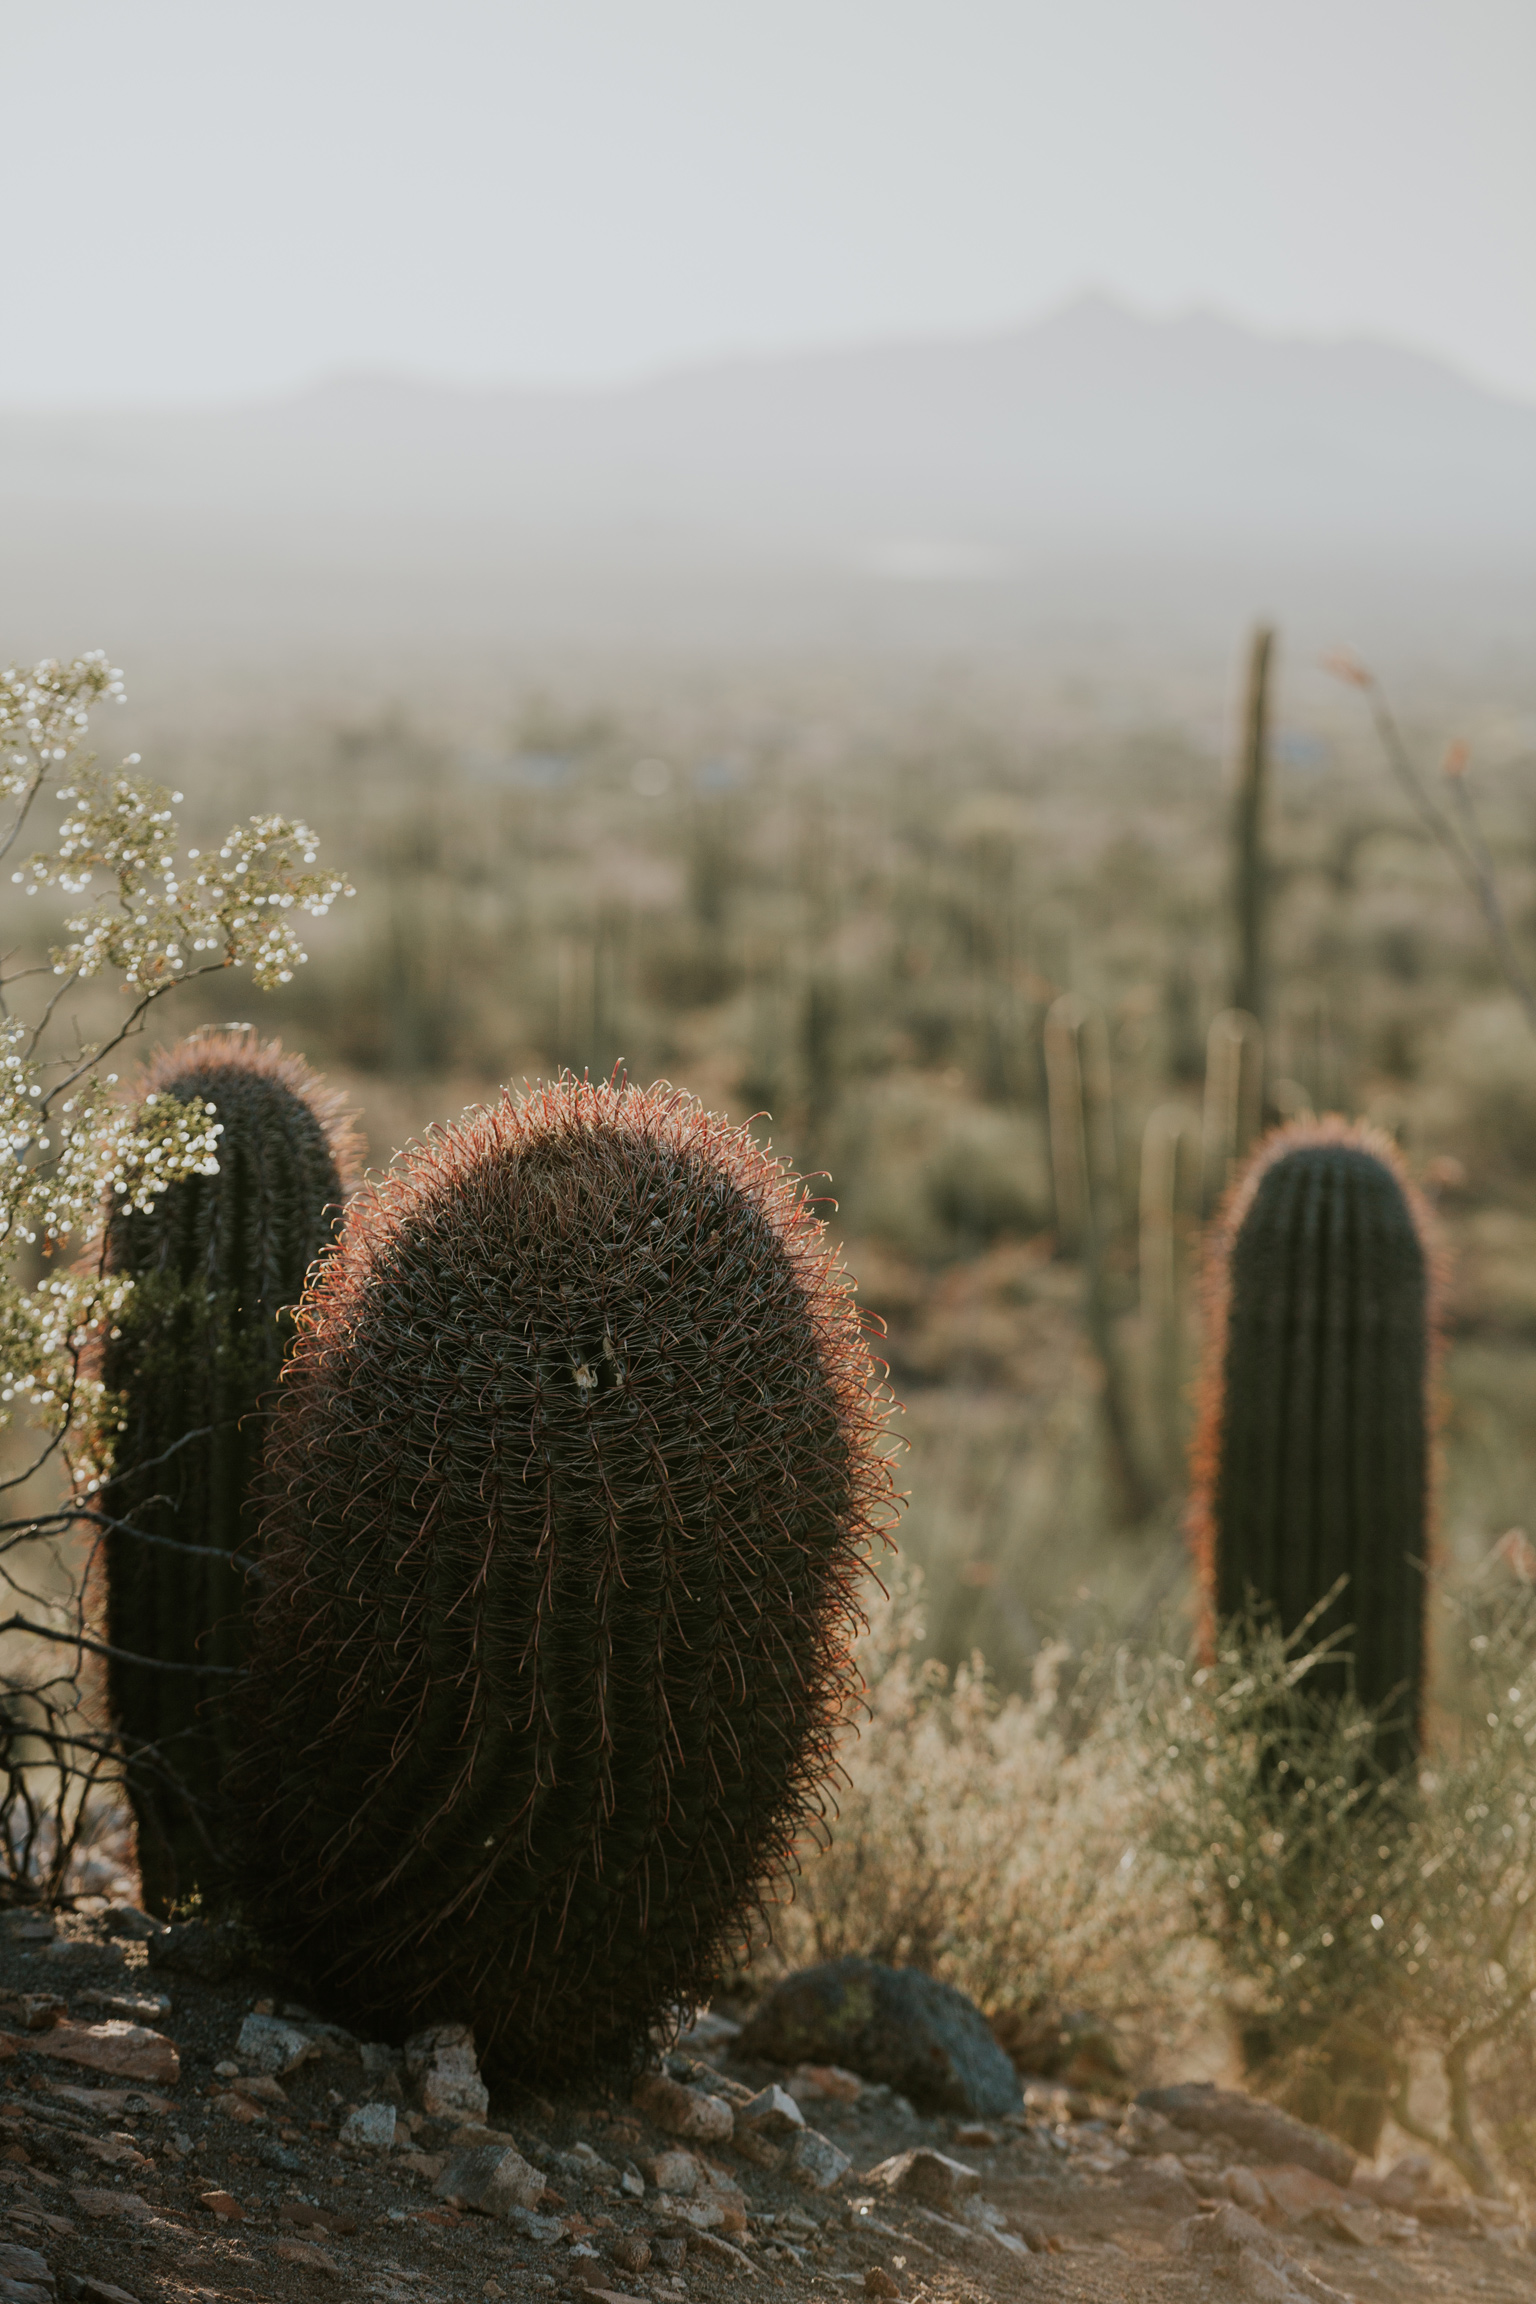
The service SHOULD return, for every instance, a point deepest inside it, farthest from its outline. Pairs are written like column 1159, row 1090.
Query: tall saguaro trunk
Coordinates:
column 1250, row 875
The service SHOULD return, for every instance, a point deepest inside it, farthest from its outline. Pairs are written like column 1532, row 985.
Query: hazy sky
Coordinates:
column 205, row 198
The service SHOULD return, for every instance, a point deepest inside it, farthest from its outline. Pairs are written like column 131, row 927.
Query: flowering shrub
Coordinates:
column 67, row 1149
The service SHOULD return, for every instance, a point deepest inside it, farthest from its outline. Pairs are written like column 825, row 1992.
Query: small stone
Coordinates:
column 372, row 2126
column 711, row 2244
column 771, row 2112
column 1261, row 2131
column 1296, row 2193
column 977, row 2139
column 305, row 2252
column 669, row 2254
column 708, row 2031
column 33, row 2011
column 683, row 2111
column 814, row 2161
column 226, row 2069
column 93, row 2202
column 273, row 2046
column 1244, row 2187
column 261, row 2088
column 674, row 2172
column 825, row 2084
column 20, row 2263
column 922, row 2174
column 128, row 1921
column 631, row 2253
column 546, row 2230
column 440, row 2063
column 631, row 2182
column 493, row 2178
column 236, row 2107
column 131, row 2050
column 85, row 2288
column 223, row 2205
column 878, row 2282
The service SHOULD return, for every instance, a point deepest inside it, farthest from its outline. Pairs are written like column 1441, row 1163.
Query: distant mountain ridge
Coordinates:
column 1092, row 423
column 1093, row 439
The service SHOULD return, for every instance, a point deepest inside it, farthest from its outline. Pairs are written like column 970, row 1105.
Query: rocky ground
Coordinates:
column 171, row 2130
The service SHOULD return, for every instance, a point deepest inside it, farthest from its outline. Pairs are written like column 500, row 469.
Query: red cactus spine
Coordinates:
column 577, row 1467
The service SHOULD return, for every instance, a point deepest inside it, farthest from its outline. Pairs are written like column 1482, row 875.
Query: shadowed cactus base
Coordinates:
column 576, row 1471
column 218, row 1265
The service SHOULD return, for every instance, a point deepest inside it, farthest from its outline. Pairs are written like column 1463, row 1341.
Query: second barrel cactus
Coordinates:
column 218, row 1265
column 1314, row 1456
column 576, row 1471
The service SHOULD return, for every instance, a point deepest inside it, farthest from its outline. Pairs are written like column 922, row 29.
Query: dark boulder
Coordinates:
column 896, row 2025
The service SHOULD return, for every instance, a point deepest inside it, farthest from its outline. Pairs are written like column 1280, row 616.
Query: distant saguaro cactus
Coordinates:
column 218, row 1265
column 576, row 1468
column 1250, row 868
column 1313, row 1460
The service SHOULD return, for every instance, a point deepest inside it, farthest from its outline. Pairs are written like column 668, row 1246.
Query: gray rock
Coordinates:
column 371, row 2125
column 273, row 2046
column 25, row 2267
column 814, row 2161
column 496, row 2179
column 771, row 2112
column 1260, row 2131
column 546, row 2230
column 922, row 2174
column 889, row 2024
column 441, row 2064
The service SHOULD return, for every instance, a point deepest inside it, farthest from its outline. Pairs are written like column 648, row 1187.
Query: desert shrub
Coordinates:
column 1366, row 1922
column 998, row 1843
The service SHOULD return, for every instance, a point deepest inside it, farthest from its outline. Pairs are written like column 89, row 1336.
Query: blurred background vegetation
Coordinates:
column 846, row 905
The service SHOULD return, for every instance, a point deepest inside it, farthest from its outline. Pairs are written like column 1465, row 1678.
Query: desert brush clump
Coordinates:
column 218, row 1264
column 1313, row 1463
column 577, row 1467
column 1002, row 1843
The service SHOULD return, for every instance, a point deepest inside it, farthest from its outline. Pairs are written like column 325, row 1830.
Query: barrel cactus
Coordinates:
column 1314, row 1455
column 218, row 1264
column 576, row 1470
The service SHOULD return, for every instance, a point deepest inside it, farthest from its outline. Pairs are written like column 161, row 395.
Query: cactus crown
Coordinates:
column 288, row 1151
column 1314, row 1454
column 577, row 1466
column 218, row 1264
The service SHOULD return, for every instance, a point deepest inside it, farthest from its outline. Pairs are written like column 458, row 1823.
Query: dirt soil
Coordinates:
column 221, row 2184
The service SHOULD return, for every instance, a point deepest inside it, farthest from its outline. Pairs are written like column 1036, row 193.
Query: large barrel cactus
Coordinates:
column 1314, row 1455
column 576, row 1470
column 218, row 1265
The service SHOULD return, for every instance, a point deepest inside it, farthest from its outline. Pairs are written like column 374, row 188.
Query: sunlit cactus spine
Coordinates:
column 1314, row 1457
column 576, row 1471
column 218, row 1265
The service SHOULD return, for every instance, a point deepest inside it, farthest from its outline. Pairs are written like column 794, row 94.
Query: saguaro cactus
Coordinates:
column 1313, row 1458
column 218, row 1265
column 1250, row 870
column 575, row 1471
